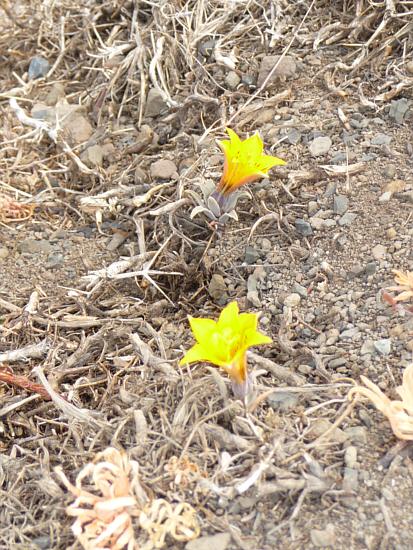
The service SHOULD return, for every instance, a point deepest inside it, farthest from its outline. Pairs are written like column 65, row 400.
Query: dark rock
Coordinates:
column 38, row 67
column 303, row 227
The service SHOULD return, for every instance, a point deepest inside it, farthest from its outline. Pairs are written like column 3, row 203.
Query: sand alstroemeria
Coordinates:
column 224, row 343
column 244, row 161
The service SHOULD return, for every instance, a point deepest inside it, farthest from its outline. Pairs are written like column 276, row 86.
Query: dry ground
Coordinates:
column 313, row 249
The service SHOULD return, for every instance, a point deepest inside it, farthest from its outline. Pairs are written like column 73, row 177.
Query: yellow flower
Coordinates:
column 398, row 412
column 224, row 343
column 404, row 285
column 244, row 161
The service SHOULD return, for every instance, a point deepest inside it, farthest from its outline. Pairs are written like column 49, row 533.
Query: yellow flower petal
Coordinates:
column 252, row 147
column 247, row 322
column 229, row 314
column 197, row 354
column 202, row 328
column 257, row 339
column 224, row 342
column 244, row 161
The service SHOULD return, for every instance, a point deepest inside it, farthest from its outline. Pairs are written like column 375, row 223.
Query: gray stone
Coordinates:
column 57, row 91
column 350, row 456
column 370, row 269
column 301, row 290
column 55, row 259
column 347, row 219
column 356, row 271
column 340, row 204
column 317, row 223
column 321, row 425
column 359, row 124
column 283, row 401
column 330, row 189
column 266, row 245
column 385, row 197
column 367, row 347
column 38, row 67
column 210, row 542
column 390, row 171
column 293, row 136
column 320, row 146
column 383, row 346
column 379, row 252
column 328, row 223
column 251, row 255
column 93, row 156
column 292, row 300
column 350, row 481
column 42, row 542
column 357, row 434
column 285, row 70
column 338, row 362
column 155, row 104
column 248, row 79
column 163, row 169
column 398, row 109
column 232, row 80
column 33, row 246
column 339, row 157
column 381, row 139
column 349, row 333
column 217, row 288
column 312, row 208
column 303, row 227
column 324, row 537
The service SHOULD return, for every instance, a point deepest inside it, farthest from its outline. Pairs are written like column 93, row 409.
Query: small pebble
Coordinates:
column 163, row 169
column 292, row 300
column 320, row 146
column 283, row 401
column 357, row 434
column 217, row 288
column 381, row 139
column 350, row 481
column 347, row 219
column 391, row 233
column 251, row 255
column 303, row 227
column 371, row 268
column 383, row 346
column 350, row 456
column 385, row 197
column 217, row 542
column 155, row 104
column 389, row 171
column 38, row 67
column 379, row 252
column 323, row 537
column 340, row 204
column 232, row 80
